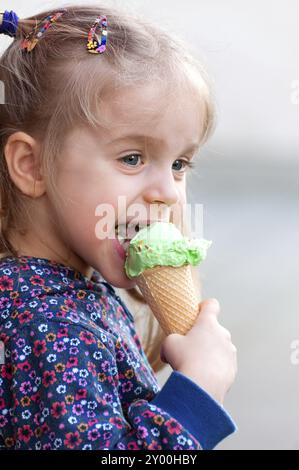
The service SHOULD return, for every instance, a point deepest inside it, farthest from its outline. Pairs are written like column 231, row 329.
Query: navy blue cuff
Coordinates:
column 195, row 410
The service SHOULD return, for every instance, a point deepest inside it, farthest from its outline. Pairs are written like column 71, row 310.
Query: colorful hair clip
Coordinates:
column 34, row 36
column 97, row 45
column 8, row 23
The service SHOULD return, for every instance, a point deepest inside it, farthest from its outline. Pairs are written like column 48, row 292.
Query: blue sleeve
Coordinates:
column 195, row 409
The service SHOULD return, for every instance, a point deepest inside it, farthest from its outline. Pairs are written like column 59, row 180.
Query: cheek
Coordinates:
column 76, row 206
column 85, row 192
column 182, row 193
column 81, row 213
column 179, row 208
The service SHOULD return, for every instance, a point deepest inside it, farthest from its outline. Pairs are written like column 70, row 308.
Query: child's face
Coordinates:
column 91, row 172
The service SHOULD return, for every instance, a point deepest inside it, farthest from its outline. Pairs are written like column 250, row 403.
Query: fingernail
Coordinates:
column 213, row 304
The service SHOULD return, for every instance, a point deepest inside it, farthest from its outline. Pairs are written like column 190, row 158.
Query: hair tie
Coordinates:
column 9, row 23
column 97, row 45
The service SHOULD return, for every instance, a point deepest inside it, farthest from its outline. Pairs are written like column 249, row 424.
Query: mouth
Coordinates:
column 126, row 232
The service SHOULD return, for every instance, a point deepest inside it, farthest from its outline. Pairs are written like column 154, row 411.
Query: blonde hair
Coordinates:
column 59, row 85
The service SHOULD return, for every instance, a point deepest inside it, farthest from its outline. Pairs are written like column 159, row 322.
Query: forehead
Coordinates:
column 153, row 111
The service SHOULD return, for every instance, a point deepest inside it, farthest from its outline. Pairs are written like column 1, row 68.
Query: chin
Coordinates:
column 113, row 270
column 119, row 279
column 124, row 285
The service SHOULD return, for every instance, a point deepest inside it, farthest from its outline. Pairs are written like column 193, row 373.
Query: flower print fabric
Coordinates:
column 75, row 374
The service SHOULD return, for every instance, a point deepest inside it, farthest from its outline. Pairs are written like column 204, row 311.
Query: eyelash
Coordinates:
column 188, row 163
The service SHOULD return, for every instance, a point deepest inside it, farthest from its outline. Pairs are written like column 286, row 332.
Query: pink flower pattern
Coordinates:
column 75, row 374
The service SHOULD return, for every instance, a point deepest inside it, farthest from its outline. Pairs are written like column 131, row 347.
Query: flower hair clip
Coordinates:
column 97, row 44
column 34, row 36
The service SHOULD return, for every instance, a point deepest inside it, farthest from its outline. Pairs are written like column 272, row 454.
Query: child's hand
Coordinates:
column 206, row 354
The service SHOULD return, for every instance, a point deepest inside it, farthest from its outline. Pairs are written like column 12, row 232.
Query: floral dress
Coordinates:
column 75, row 376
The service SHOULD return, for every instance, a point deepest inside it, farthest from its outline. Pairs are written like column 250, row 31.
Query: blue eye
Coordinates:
column 187, row 164
column 179, row 165
column 131, row 158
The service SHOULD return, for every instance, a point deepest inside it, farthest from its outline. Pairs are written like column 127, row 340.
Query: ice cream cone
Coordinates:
column 170, row 293
column 160, row 259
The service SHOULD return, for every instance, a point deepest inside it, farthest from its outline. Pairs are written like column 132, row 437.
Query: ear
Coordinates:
column 22, row 158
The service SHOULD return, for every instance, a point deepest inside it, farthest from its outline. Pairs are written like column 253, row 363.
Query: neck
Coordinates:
column 29, row 244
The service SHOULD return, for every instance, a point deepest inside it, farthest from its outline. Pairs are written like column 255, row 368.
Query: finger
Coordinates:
column 209, row 307
column 226, row 333
column 172, row 348
column 163, row 358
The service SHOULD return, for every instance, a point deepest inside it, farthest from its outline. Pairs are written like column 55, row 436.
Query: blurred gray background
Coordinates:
column 247, row 179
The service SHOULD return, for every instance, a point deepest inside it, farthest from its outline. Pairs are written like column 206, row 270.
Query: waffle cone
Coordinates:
column 170, row 293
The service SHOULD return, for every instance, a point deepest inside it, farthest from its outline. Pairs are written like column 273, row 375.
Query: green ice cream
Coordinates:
column 162, row 244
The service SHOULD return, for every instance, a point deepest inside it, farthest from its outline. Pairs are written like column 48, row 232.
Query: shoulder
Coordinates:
column 39, row 290
column 32, row 293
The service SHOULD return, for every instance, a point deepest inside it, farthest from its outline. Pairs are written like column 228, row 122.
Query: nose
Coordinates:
column 161, row 189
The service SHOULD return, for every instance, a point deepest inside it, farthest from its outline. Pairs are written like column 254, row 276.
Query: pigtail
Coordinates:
column 13, row 26
column 6, row 248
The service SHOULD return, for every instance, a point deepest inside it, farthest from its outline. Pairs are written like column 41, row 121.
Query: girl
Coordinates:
column 98, row 104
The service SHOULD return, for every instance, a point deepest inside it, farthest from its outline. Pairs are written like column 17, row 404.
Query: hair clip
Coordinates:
column 34, row 36
column 8, row 23
column 94, row 44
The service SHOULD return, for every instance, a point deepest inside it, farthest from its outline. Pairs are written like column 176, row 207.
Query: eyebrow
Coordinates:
column 137, row 137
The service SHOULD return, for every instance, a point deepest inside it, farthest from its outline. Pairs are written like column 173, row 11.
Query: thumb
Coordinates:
column 171, row 349
column 207, row 308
